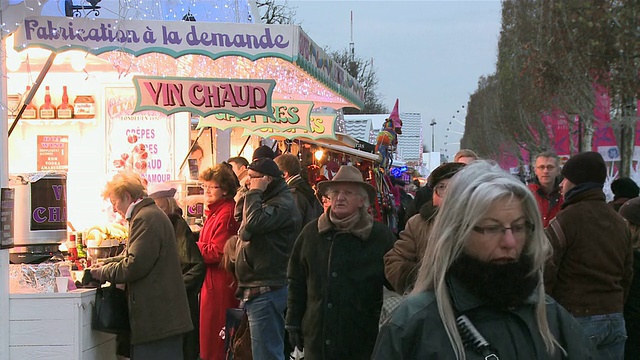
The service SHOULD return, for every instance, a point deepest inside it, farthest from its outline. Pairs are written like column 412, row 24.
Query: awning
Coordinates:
column 284, row 53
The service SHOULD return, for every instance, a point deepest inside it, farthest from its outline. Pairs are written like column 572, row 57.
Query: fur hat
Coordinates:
column 263, row 152
column 630, row 210
column 585, row 167
column 625, row 188
column 442, row 172
column 265, row 166
column 348, row 174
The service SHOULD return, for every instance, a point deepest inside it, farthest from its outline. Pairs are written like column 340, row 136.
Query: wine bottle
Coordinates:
column 65, row 110
column 47, row 111
column 31, row 111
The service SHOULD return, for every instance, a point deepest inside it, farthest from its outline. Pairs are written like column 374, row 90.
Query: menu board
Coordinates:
column 53, row 152
column 49, row 204
column 141, row 142
column 7, row 202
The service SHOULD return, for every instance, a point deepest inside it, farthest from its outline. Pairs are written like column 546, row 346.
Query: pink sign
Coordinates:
column 204, row 96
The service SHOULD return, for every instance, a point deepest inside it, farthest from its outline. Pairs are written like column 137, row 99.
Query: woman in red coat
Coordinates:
column 218, row 290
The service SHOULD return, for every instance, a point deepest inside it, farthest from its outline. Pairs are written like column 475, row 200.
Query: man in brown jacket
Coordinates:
column 592, row 264
column 401, row 263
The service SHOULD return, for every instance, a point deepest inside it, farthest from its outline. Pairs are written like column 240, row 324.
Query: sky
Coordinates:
column 428, row 54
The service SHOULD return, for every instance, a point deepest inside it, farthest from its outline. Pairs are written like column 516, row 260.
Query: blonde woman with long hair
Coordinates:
column 479, row 291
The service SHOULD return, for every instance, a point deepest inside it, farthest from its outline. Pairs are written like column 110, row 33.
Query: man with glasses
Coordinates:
column 270, row 223
column 546, row 186
column 401, row 262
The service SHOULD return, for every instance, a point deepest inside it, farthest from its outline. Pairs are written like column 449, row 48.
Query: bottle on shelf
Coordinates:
column 85, row 107
column 47, row 110
column 31, row 111
column 65, row 110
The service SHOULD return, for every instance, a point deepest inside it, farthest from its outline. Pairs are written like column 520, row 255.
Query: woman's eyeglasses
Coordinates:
column 207, row 187
column 518, row 230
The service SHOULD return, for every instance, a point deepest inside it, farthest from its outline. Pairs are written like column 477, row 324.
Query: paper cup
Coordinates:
column 62, row 283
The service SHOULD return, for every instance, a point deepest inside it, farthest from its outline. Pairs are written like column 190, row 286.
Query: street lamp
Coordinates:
column 433, row 134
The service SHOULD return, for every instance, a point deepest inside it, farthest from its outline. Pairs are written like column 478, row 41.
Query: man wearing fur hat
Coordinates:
column 592, row 264
column 401, row 262
column 270, row 221
column 336, row 274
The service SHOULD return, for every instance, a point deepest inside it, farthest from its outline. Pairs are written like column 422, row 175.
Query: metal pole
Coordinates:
column 34, row 89
column 433, row 134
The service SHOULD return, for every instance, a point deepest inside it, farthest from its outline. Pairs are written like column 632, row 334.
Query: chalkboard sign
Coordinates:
column 49, row 204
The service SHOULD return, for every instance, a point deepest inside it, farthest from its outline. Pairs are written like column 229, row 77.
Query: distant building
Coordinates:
column 366, row 127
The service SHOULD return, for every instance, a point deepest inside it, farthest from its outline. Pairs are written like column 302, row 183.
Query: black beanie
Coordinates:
column 442, row 172
column 265, row 166
column 630, row 210
column 585, row 167
column 263, row 152
column 625, row 188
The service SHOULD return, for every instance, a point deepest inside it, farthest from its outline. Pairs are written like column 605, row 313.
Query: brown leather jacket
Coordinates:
column 592, row 264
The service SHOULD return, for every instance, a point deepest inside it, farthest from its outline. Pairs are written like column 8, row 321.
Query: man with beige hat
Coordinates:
column 336, row 274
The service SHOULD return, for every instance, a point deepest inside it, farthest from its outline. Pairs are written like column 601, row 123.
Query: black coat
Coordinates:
column 415, row 330
column 193, row 272
column 335, row 291
column 307, row 202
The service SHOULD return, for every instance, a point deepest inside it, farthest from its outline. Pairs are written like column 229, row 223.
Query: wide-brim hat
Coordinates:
column 348, row 174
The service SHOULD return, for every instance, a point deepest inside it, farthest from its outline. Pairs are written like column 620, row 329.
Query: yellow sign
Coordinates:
column 321, row 126
column 287, row 115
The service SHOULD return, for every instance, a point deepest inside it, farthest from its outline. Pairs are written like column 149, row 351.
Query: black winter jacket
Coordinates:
column 308, row 204
column 415, row 330
column 270, row 222
column 335, row 291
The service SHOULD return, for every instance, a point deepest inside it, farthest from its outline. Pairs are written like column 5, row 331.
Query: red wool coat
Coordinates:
column 218, row 290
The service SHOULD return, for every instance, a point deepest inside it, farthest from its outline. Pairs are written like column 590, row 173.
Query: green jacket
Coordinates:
column 415, row 330
column 150, row 267
column 335, row 291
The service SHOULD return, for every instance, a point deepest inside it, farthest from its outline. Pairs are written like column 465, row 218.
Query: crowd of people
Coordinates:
column 484, row 266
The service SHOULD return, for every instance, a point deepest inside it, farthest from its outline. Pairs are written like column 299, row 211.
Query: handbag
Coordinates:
column 237, row 335
column 110, row 311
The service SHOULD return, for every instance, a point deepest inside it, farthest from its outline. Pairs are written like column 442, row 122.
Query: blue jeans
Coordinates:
column 607, row 333
column 266, row 322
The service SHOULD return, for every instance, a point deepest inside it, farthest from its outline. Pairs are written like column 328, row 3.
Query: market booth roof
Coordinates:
column 284, row 53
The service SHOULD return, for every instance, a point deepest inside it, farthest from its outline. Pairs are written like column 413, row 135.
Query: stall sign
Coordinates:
column 366, row 147
column 315, row 60
column 141, row 142
column 49, row 204
column 322, row 127
column 175, row 38
column 204, row 96
column 7, row 206
column 53, row 152
column 285, row 115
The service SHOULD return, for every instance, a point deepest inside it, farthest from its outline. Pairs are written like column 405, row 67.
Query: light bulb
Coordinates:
column 319, row 154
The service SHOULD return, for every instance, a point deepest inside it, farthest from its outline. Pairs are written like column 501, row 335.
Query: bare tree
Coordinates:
column 365, row 73
column 272, row 13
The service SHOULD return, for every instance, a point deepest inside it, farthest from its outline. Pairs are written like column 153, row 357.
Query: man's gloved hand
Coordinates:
column 295, row 339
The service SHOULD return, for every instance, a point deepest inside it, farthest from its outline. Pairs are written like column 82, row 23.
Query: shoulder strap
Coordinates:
column 554, row 225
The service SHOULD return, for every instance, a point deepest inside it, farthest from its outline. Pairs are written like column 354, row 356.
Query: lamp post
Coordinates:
column 433, row 134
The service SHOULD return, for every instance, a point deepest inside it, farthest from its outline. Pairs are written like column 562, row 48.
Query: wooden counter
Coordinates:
column 56, row 326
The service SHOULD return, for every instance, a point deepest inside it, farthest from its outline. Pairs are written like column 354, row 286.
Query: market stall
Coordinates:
column 90, row 97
